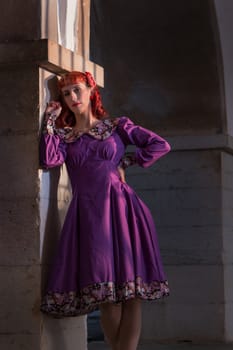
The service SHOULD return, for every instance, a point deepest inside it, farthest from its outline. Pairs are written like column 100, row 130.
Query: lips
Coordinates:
column 76, row 104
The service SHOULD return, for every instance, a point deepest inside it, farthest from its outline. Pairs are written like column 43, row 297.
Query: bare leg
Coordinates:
column 130, row 325
column 110, row 318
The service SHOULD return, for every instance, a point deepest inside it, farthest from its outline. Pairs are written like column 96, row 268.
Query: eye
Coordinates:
column 76, row 90
column 66, row 93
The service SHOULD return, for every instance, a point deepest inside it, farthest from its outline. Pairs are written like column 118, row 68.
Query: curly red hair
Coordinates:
column 67, row 117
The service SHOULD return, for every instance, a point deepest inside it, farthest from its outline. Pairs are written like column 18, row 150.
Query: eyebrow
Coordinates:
column 75, row 86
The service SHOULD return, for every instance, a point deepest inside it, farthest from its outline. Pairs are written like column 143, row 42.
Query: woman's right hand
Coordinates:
column 53, row 110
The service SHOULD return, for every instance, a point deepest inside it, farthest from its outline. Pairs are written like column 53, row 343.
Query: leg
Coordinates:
column 130, row 326
column 110, row 318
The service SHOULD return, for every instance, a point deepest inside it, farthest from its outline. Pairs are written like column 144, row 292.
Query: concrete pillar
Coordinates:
column 20, row 258
column 224, row 15
column 164, row 69
column 33, row 202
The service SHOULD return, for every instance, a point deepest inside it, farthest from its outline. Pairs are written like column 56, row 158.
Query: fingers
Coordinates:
column 122, row 174
column 53, row 109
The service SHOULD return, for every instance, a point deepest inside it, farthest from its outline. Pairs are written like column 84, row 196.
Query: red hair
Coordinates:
column 67, row 117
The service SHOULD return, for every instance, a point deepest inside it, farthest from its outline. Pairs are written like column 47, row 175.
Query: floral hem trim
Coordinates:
column 72, row 303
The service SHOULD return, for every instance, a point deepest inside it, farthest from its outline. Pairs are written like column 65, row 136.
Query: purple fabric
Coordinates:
column 108, row 233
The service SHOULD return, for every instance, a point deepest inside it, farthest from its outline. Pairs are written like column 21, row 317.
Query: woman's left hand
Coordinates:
column 122, row 174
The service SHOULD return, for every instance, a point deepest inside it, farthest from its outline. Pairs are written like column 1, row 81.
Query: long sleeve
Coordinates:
column 52, row 151
column 52, row 145
column 149, row 146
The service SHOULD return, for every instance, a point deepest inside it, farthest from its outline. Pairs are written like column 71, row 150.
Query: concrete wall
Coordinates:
column 224, row 15
column 33, row 202
column 19, row 250
column 164, row 68
column 161, row 63
column 183, row 191
column 227, row 252
column 224, row 12
column 17, row 24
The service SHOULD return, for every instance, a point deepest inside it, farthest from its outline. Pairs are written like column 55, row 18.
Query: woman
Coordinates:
column 108, row 255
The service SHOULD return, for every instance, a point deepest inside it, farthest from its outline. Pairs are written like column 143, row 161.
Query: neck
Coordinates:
column 84, row 121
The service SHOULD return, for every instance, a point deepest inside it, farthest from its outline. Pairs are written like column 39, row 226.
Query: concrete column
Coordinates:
column 224, row 15
column 20, row 254
column 33, row 202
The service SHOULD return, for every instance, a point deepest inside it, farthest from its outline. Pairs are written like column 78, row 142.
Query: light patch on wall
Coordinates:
column 67, row 23
column 59, row 22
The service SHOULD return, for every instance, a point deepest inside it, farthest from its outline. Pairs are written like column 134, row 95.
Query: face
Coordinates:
column 77, row 97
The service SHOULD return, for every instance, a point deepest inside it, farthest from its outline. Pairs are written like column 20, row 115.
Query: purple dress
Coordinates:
column 108, row 250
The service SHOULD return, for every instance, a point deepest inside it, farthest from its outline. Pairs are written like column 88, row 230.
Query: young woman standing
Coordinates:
column 108, row 255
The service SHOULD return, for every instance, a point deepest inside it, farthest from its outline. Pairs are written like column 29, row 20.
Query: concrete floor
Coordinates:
column 95, row 337
column 99, row 345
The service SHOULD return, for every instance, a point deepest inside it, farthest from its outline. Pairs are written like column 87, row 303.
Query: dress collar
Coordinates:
column 101, row 131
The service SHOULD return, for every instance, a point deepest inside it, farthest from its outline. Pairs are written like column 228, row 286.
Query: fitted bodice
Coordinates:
column 93, row 157
column 93, row 163
column 88, row 149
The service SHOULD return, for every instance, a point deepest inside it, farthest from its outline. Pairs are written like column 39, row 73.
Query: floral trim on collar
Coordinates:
column 101, row 131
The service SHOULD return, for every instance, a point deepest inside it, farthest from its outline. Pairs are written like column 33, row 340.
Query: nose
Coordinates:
column 73, row 96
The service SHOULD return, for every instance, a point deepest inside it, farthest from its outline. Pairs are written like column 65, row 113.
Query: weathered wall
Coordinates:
column 227, row 252
column 32, row 202
column 184, row 194
column 19, row 250
column 161, row 63
column 224, row 11
column 17, row 24
column 163, row 68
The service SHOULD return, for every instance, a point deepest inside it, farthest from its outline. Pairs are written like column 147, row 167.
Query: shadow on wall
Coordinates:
column 161, row 63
